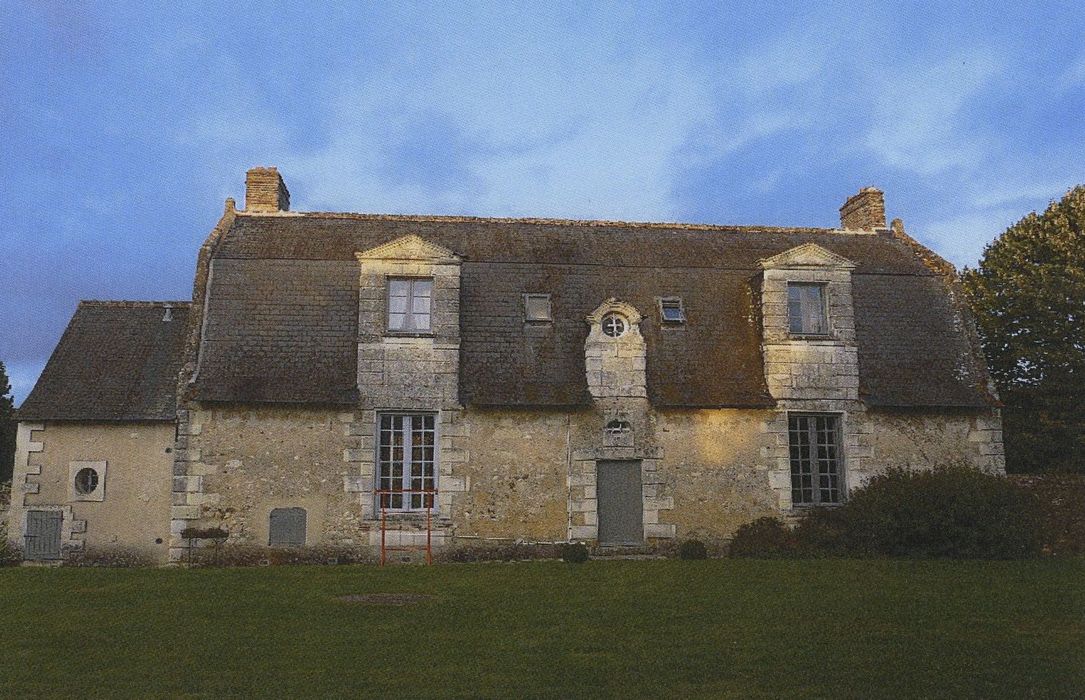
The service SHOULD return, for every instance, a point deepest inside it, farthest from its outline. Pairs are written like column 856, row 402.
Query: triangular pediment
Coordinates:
column 807, row 255
column 410, row 247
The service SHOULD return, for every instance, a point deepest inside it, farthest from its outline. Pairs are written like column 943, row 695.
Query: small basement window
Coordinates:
column 671, row 311
column 537, row 308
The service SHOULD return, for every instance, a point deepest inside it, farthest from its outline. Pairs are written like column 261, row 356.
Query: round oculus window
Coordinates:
column 86, row 480
column 614, row 325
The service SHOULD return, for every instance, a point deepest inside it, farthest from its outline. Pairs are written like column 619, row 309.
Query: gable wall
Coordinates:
column 134, row 510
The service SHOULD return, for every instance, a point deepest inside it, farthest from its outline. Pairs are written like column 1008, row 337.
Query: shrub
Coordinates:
column 574, row 552
column 956, row 512
column 764, row 537
column 692, row 549
column 950, row 512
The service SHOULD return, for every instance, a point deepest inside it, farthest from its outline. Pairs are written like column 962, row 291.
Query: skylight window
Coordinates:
column 671, row 311
column 537, row 308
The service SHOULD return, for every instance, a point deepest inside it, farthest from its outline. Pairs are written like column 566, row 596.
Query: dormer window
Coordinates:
column 806, row 309
column 537, row 308
column 671, row 311
column 614, row 325
column 409, row 301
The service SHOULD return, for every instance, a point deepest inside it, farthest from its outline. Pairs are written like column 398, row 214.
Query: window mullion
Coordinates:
column 815, row 466
column 407, row 461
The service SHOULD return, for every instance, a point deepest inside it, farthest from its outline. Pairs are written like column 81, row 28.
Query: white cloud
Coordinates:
column 917, row 109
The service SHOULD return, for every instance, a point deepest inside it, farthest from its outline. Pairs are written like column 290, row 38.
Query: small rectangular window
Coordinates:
column 409, row 303
column 671, row 311
column 537, row 308
column 806, row 312
column 814, row 444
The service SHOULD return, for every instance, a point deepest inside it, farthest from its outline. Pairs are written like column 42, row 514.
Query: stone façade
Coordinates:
column 286, row 365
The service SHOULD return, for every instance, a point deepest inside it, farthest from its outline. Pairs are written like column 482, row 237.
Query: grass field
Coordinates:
column 722, row 628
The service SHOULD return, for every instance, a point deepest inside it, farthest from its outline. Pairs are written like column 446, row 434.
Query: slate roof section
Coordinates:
column 117, row 361
column 292, row 336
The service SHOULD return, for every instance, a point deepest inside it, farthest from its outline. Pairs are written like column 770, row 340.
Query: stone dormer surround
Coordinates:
column 811, row 373
column 615, row 370
column 404, row 372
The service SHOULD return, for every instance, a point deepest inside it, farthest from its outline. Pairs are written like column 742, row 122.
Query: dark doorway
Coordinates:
column 621, row 503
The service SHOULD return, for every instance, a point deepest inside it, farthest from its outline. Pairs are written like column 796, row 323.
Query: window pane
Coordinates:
column 421, row 322
column 794, row 308
column 815, row 468
column 672, row 310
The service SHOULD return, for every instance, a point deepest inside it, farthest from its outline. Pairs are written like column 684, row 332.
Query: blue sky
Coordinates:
column 126, row 125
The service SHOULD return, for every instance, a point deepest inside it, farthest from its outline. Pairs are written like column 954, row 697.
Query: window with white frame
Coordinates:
column 406, row 461
column 806, row 309
column 409, row 304
column 814, row 443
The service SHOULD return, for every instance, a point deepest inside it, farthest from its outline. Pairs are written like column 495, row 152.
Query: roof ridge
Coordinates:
column 547, row 221
column 130, row 303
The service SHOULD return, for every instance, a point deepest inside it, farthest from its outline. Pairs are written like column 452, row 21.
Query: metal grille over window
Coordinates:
column 537, row 307
column 409, row 304
column 86, row 481
column 406, row 455
column 815, row 459
column 613, row 325
column 617, row 428
column 670, row 310
column 806, row 309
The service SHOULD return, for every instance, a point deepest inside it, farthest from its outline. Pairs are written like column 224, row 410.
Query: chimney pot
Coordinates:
column 864, row 211
column 265, row 191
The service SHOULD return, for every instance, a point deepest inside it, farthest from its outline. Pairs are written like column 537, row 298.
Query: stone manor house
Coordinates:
column 622, row 384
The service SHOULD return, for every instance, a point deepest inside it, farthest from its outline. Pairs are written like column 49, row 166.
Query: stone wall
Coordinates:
column 132, row 512
column 245, row 462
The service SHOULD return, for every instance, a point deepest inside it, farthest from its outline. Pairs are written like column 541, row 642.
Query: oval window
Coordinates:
column 614, row 325
column 86, row 481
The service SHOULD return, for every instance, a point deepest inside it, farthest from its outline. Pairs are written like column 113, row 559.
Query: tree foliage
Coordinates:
column 1028, row 297
column 7, row 426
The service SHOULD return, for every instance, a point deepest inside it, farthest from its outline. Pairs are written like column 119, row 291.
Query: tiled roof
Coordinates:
column 282, row 314
column 117, row 361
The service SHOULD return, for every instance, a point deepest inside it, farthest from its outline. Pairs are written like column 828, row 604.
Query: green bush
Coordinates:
column 950, row 512
column 574, row 553
column 954, row 512
column 692, row 549
column 764, row 537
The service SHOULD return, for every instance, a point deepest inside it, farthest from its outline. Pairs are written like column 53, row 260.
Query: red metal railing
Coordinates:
column 428, row 503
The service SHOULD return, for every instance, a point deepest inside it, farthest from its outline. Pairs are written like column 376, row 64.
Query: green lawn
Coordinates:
column 723, row 628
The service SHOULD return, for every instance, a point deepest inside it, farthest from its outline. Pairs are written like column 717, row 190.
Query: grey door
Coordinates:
column 43, row 534
column 621, row 505
column 287, row 527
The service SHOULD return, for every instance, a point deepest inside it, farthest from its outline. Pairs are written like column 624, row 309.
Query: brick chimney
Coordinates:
column 864, row 211
column 265, row 191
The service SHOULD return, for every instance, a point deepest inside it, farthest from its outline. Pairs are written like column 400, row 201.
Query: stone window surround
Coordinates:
column 450, row 436
column 583, row 502
column 98, row 494
column 851, row 458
